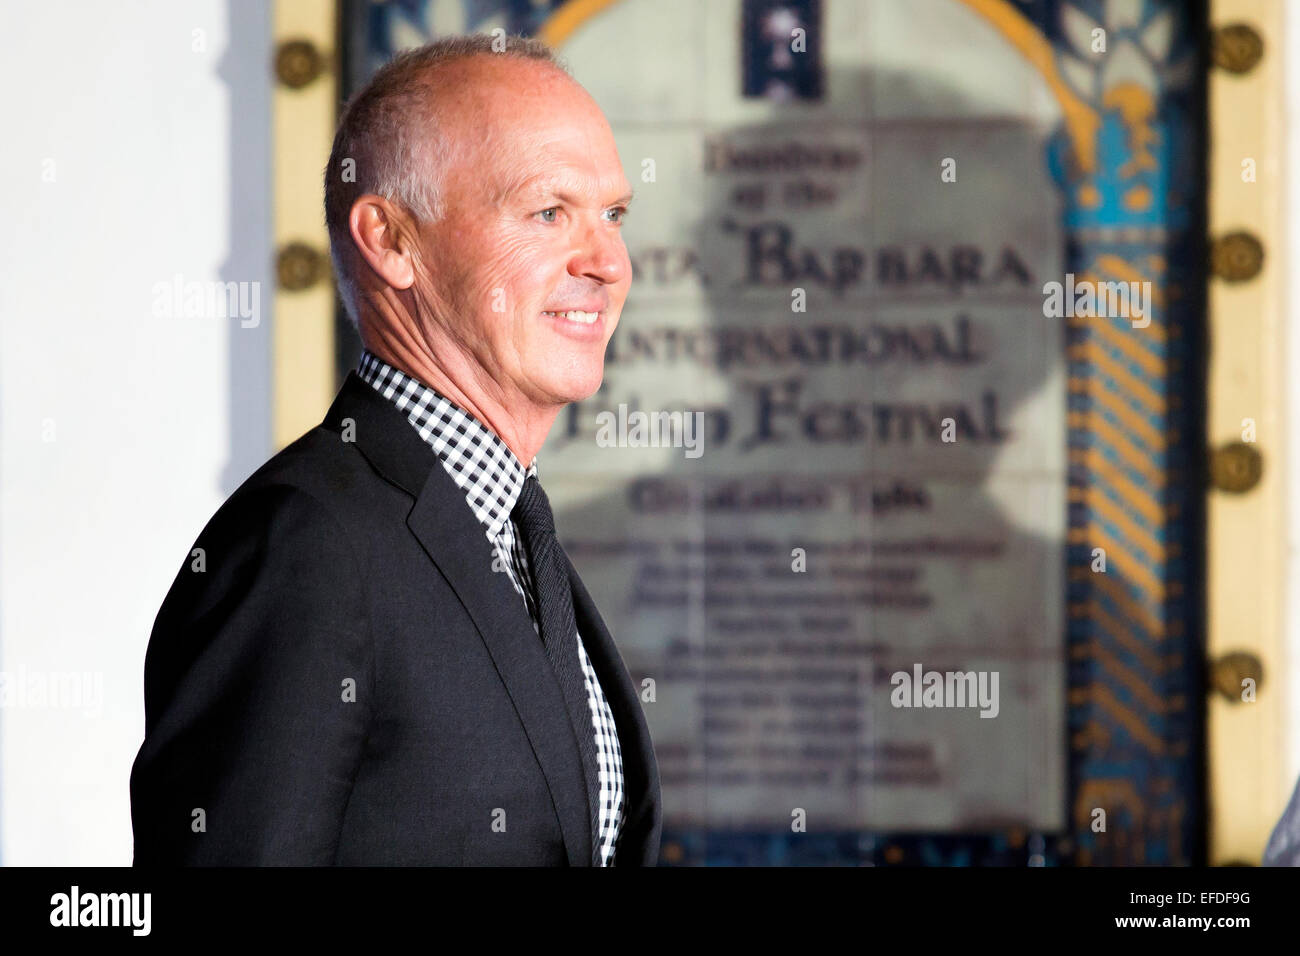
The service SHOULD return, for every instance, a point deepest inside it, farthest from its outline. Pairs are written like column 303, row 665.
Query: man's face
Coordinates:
column 534, row 203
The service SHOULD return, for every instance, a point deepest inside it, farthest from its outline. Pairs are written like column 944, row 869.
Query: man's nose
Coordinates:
column 600, row 255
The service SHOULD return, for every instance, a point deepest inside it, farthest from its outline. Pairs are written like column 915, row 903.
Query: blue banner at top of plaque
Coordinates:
column 781, row 43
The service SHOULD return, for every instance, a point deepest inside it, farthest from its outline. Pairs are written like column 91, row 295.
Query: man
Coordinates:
column 377, row 652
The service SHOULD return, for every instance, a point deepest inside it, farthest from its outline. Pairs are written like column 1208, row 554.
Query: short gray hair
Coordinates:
column 391, row 154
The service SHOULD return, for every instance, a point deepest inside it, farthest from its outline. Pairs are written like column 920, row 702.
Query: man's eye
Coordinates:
column 549, row 214
column 621, row 212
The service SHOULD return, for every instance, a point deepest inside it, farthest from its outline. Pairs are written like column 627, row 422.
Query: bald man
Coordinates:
column 377, row 653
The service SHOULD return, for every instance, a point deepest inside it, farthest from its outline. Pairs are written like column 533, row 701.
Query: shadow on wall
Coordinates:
column 246, row 69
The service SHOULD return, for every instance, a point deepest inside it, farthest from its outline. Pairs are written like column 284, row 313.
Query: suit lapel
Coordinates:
column 639, row 839
column 446, row 528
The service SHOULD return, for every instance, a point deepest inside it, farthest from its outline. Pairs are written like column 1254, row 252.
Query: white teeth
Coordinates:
column 586, row 318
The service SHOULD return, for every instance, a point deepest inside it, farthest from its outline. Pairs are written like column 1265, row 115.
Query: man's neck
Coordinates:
column 523, row 437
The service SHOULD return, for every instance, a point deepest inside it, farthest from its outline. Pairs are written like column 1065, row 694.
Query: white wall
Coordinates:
column 121, row 431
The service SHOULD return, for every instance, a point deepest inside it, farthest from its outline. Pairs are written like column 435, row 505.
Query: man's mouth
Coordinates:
column 575, row 315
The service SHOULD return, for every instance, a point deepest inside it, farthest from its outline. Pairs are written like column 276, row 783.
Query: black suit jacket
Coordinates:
column 341, row 678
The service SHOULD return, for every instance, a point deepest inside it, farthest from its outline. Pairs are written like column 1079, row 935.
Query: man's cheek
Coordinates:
column 495, row 290
column 513, row 280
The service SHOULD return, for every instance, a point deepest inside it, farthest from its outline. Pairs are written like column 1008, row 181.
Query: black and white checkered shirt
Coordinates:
column 490, row 475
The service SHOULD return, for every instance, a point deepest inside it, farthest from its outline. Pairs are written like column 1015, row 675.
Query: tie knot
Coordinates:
column 532, row 512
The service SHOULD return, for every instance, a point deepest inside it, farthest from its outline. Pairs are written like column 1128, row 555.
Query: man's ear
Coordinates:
column 384, row 237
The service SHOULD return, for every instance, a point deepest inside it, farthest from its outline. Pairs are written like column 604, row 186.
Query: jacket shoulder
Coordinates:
column 321, row 463
column 318, row 489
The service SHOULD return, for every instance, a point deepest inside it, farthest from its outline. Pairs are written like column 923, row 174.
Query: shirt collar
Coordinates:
column 482, row 465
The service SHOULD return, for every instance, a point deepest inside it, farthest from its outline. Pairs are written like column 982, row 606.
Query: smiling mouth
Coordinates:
column 575, row 315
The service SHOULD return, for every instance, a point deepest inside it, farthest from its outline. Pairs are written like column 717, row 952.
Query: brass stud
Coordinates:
column 1228, row 671
column 1236, row 257
column 299, row 266
column 1236, row 467
column 1236, row 48
column 298, row 62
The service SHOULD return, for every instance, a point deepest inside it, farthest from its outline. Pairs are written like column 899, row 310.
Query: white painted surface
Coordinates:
column 120, row 431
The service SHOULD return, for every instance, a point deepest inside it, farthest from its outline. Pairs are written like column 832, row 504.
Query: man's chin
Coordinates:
column 576, row 388
column 583, row 393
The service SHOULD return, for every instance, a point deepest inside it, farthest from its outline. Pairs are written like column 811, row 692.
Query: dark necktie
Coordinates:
column 559, row 627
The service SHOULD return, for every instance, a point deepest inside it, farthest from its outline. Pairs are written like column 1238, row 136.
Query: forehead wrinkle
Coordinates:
column 564, row 185
column 543, row 171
